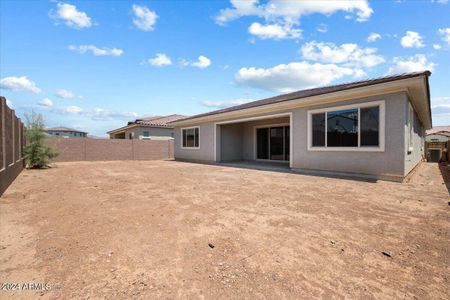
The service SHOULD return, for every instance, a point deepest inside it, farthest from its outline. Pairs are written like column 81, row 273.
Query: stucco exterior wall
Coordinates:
column 159, row 132
column 436, row 138
column 206, row 150
column 231, row 142
column 389, row 164
column 418, row 142
column 66, row 134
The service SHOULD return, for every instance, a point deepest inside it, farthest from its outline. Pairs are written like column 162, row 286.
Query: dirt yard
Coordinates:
column 140, row 230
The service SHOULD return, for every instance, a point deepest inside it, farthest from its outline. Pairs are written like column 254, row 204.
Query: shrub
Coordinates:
column 36, row 154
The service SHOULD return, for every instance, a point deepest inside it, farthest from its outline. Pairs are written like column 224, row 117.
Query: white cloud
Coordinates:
column 66, row 94
column 96, row 114
column 437, row 47
column 440, row 1
column 145, row 18
column 290, row 12
column 281, row 15
column 223, row 104
column 71, row 109
column 414, row 63
column 201, row 63
column 322, row 28
column 71, row 16
column 100, row 114
column 95, row 50
column 445, row 32
column 160, row 60
column 19, row 83
column 373, row 36
column 290, row 77
column 412, row 39
column 46, row 102
column 440, row 108
column 346, row 54
column 274, row 31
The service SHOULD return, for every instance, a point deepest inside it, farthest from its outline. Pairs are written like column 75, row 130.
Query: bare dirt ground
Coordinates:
column 140, row 230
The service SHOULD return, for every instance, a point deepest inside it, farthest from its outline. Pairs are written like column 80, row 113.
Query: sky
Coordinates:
column 95, row 65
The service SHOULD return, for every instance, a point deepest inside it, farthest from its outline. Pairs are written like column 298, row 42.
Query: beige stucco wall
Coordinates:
column 159, row 132
column 389, row 164
column 418, row 142
column 206, row 149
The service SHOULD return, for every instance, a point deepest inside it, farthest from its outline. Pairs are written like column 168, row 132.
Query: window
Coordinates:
column 272, row 143
column 191, row 137
column 370, row 124
column 342, row 128
column 318, row 130
column 146, row 133
column 350, row 127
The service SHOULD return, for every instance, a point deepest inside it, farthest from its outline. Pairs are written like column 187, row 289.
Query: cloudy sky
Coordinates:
column 94, row 65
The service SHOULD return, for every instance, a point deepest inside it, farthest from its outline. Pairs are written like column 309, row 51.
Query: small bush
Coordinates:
column 36, row 154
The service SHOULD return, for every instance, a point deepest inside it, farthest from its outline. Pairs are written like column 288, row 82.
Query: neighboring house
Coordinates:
column 147, row 128
column 437, row 144
column 372, row 128
column 65, row 132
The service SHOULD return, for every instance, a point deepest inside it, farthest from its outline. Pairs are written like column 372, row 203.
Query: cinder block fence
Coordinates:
column 86, row 149
column 12, row 136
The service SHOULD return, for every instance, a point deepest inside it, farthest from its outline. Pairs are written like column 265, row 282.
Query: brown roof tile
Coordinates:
column 159, row 121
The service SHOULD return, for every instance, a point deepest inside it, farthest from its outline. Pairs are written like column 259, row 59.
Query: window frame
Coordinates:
column 358, row 106
column 182, row 136
column 268, row 126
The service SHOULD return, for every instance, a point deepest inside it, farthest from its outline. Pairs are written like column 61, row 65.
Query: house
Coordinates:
column 373, row 128
column 437, row 144
column 147, row 128
column 438, row 134
column 65, row 132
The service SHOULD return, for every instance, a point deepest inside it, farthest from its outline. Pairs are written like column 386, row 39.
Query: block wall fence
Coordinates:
column 12, row 137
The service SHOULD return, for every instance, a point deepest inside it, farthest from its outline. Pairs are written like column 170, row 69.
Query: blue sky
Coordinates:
column 94, row 65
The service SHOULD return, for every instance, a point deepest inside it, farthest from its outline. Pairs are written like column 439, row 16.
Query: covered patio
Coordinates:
column 259, row 141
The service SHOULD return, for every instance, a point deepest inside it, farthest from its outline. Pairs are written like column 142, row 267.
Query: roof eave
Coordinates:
column 388, row 86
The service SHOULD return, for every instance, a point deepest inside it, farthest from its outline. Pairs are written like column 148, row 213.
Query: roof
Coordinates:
column 60, row 128
column 155, row 121
column 159, row 121
column 439, row 129
column 313, row 92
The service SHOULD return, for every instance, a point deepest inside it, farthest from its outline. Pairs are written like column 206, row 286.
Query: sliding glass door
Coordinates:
column 272, row 143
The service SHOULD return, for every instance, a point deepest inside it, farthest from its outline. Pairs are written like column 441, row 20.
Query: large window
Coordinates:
column 342, row 128
column 191, row 137
column 357, row 127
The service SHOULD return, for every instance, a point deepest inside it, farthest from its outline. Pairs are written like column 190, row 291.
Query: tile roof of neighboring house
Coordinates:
column 314, row 92
column 439, row 129
column 156, row 121
column 159, row 121
column 60, row 128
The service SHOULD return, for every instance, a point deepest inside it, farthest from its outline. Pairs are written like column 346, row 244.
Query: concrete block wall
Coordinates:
column 86, row 149
column 12, row 139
